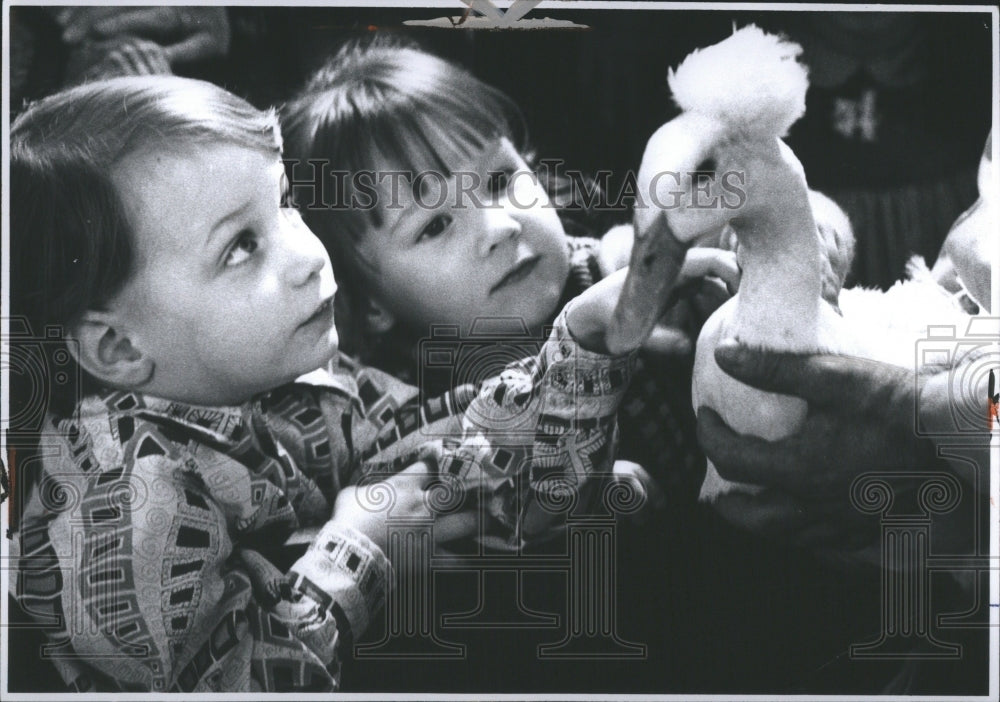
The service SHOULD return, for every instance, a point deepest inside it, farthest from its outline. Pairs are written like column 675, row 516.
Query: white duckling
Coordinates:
column 739, row 98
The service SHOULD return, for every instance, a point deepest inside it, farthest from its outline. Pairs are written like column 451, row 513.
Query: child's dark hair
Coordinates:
column 71, row 242
column 385, row 101
column 383, row 98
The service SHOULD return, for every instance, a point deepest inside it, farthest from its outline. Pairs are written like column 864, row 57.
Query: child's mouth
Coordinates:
column 517, row 274
column 323, row 313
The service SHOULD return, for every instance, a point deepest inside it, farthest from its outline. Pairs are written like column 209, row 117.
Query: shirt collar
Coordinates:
column 223, row 424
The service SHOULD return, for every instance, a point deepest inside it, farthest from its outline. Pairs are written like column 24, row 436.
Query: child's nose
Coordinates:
column 498, row 226
column 306, row 258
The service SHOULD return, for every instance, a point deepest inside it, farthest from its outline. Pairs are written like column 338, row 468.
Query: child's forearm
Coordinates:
column 546, row 418
column 544, row 424
column 338, row 586
column 579, row 393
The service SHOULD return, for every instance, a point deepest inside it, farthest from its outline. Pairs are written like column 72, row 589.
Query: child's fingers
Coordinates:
column 156, row 58
column 591, row 315
column 701, row 262
column 615, row 249
column 146, row 57
column 132, row 57
column 431, row 453
column 415, row 477
column 668, row 341
column 611, row 284
column 640, row 478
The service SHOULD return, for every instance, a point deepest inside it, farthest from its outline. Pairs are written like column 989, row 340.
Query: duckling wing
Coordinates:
column 888, row 325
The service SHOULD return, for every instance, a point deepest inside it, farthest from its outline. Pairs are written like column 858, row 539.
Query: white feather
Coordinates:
column 891, row 322
column 752, row 80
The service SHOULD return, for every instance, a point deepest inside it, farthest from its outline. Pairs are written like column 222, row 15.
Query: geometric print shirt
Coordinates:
column 145, row 549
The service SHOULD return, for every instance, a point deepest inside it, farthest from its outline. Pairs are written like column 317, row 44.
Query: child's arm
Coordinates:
column 548, row 420
column 578, row 391
column 709, row 276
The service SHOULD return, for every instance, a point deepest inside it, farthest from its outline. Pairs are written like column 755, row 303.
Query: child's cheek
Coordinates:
column 548, row 290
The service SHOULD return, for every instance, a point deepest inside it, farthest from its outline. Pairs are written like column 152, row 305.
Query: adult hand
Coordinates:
column 126, row 57
column 185, row 33
column 860, row 419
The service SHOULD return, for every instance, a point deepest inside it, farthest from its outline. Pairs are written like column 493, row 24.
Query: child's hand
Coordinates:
column 636, row 477
column 591, row 314
column 403, row 496
column 700, row 262
column 708, row 278
column 269, row 583
column 129, row 56
column 615, row 249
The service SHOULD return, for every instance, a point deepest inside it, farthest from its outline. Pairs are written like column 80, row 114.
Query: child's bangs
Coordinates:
column 392, row 111
column 438, row 136
column 428, row 144
column 441, row 134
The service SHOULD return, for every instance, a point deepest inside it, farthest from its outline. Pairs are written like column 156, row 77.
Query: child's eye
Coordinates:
column 243, row 247
column 435, row 227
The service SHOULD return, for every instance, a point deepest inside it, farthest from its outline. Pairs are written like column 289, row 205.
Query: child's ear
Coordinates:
column 378, row 318
column 104, row 351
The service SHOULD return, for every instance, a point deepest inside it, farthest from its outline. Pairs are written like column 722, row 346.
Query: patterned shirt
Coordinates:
column 142, row 549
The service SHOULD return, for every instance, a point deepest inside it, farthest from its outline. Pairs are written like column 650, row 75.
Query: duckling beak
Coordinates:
column 654, row 268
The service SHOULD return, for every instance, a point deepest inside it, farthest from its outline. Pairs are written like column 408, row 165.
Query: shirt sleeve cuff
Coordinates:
column 346, row 574
column 610, row 373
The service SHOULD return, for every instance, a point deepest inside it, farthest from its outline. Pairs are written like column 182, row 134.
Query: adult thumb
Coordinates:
column 815, row 378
